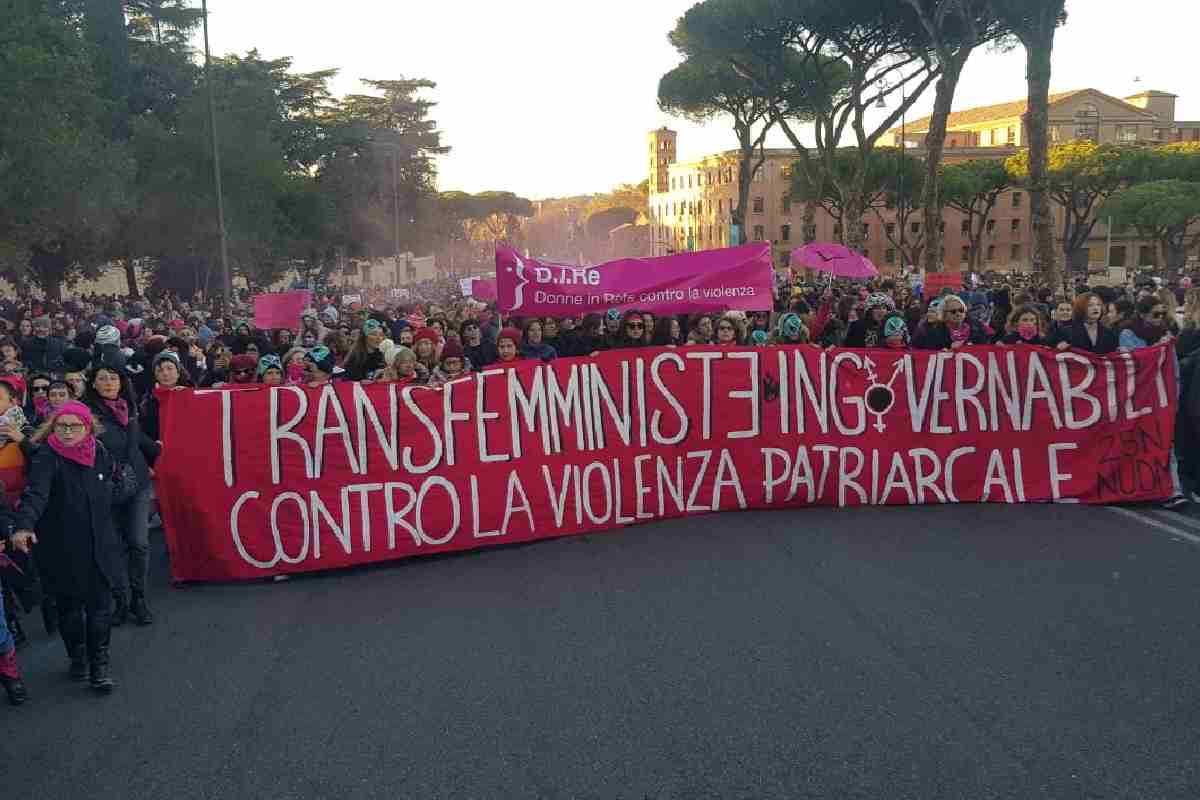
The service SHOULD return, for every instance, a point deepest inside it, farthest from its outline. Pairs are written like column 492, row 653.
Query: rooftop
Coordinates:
column 1017, row 108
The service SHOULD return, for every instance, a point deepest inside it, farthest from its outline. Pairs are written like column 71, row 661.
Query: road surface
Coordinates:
column 957, row 652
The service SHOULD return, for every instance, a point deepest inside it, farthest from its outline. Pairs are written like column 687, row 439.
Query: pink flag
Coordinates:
column 280, row 309
column 713, row 280
column 483, row 289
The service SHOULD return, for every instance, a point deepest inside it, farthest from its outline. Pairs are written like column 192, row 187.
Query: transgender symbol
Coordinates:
column 880, row 397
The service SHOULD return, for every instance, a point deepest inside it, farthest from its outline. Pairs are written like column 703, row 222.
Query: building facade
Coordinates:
column 691, row 202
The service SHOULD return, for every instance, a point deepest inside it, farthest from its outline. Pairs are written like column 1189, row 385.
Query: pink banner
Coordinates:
column 712, row 280
column 280, row 309
column 484, row 289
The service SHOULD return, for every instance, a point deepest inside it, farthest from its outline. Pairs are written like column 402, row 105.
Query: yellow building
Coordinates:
column 690, row 202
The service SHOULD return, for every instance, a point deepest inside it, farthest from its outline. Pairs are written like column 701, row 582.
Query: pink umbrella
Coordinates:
column 836, row 259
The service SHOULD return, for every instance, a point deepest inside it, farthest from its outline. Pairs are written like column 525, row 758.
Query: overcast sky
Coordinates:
column 551, row 98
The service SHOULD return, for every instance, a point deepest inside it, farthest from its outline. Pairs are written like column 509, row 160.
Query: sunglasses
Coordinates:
column 634, row 325
column 243, row 372
column 69, row 427
column 40, row 389
column 1159, row 314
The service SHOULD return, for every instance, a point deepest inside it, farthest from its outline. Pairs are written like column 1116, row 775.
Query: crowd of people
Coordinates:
column 80, row 430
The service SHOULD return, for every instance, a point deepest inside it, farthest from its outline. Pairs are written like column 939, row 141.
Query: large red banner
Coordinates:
column 265, row 481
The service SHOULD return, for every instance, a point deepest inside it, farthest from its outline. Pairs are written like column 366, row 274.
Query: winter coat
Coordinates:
column 127, row 444
column 44, row 355
column 864, row 333
column 364, row 368
column 1015, row 338
column 69, row 506
column 482, row 354
column 936, row 336
column 1075, row 334
column 541, row 350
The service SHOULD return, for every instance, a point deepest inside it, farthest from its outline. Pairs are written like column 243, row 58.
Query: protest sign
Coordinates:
column 287, row 479
column 351, row 299
column 280, row 309
column 484, row 289
column 712, row 280
column 464, row 286
column 936, row 281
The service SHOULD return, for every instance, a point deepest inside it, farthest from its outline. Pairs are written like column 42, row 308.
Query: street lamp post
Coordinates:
column 226, row 282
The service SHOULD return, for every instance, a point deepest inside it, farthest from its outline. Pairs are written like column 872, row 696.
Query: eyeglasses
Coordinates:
column 1158, row 314
column 634, row 325
column 70, row 427
column 37, row 389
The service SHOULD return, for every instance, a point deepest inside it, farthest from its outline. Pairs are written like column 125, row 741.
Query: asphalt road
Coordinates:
column 963, row 652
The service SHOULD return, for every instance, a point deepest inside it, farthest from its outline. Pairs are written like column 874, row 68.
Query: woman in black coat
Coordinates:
column 110, row 397
column 1085, row 331
column 66, row 511
column 954, row 330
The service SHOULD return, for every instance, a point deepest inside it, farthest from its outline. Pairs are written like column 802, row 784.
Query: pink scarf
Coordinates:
column 41, row 406
column 120, row 410
column 85, row 451
column 961, row 333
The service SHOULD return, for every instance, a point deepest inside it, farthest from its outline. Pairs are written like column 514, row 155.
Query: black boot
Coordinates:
column 18, row 633
column 74, row 636
column 120, row 609
column 79, row 667
column 139, row 609
column 97, row 647
column 10, row 678
column 15, row 689
column 50, row 615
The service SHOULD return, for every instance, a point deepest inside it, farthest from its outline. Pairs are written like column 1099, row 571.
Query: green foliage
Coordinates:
column 1167, row 211
column 62, row 177
column 1081, row 176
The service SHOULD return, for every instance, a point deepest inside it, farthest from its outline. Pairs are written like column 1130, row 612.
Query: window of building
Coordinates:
column 991, row 252
column 837, row 231
column 1016, row 252
column 966, row 226
column 889, row 256
column 1147, row 256
column 787, row 204
column 760, row 233
column 1010, row 136
column 785, row 233
column 689, row 181
column 699, row 206
column 720, row 205
column 915, row 227
column 1015, row 227
column 758, row 174
column 966, row 254
column 759, row 205
column 991, row 226
column 1127, row 134
column 1054, row 134
column 1017, row 198
column 1117, row 257
column 866, row 230
column 890, row 228
column 672, row 184
column 1087, row 122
